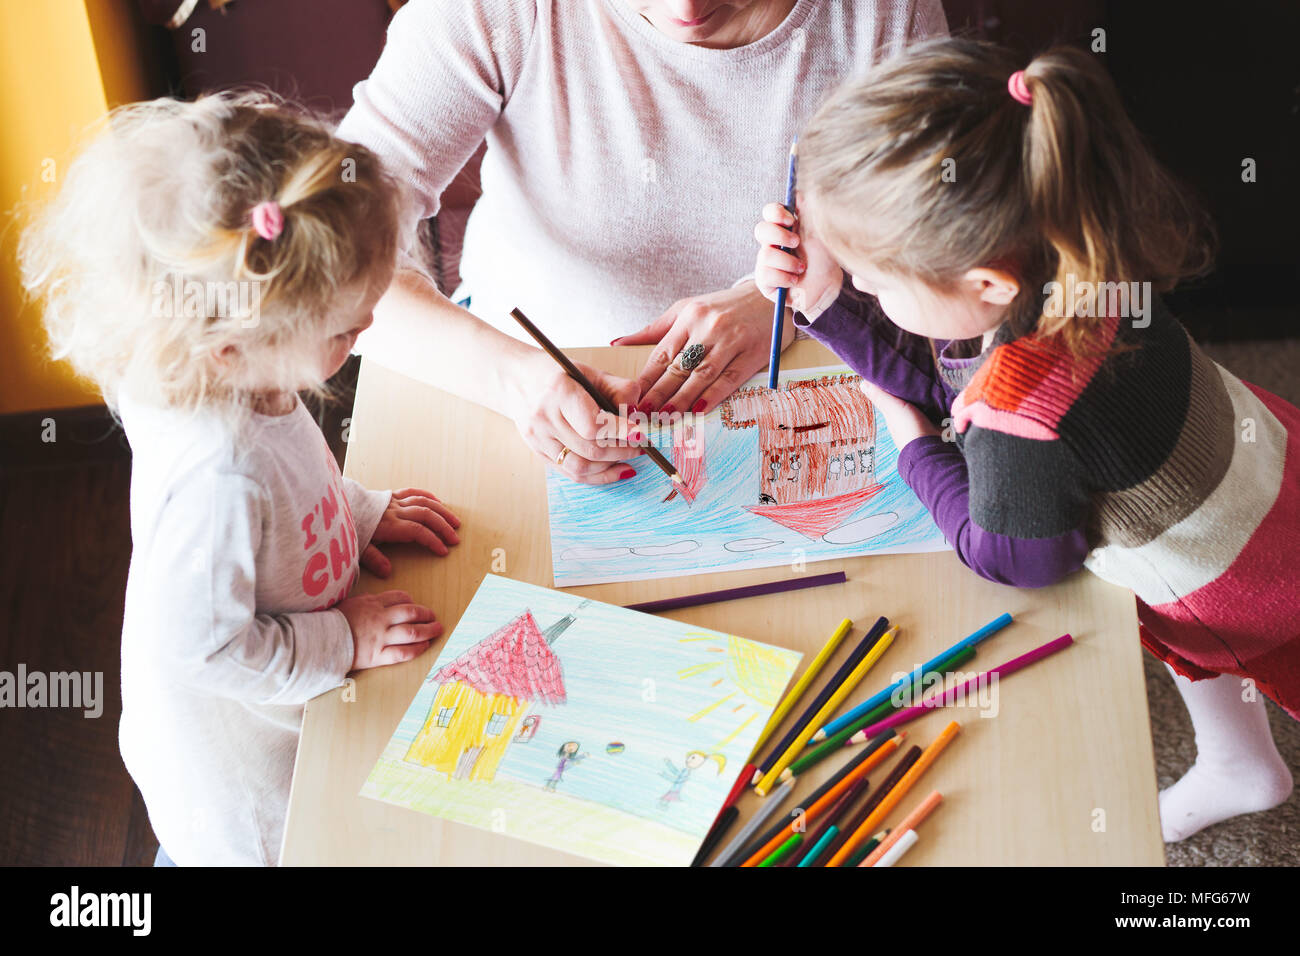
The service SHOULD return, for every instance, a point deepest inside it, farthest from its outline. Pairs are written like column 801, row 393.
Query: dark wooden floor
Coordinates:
column 66, row 796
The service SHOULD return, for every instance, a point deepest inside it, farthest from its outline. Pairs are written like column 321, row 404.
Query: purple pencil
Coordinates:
column 733, row 594
column 916, row 710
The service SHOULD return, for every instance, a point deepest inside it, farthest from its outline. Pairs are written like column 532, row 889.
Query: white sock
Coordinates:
column 1237, row 770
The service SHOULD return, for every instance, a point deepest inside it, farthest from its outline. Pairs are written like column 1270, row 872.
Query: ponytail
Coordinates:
column 1097, row 196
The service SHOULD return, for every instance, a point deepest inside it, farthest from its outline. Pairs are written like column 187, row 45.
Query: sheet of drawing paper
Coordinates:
column 806, row 472
column 583, row 726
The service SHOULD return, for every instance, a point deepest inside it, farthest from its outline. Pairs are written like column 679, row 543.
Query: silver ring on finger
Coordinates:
column 690, row 357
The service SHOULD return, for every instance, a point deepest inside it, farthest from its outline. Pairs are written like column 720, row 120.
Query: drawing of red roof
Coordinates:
column 514, row 660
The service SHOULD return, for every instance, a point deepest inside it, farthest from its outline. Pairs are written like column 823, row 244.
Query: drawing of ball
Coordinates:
column 614, row 749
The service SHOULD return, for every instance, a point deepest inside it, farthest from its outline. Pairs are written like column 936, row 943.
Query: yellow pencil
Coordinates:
column 827, row 709
column 894, row 796
column 801, row 685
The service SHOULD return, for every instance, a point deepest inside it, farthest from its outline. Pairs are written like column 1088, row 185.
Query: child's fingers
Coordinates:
column 770, row 234
column 431, row 520
column 400, row 653
column 376, row 562
column 770, row 257
column 777, row 213
column 433, row 504
column 415, row 493
column 408, row 614
column 389, row 598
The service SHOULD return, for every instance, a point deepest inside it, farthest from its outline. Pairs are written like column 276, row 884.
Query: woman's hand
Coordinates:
column 411, row 515
column 906, row 422
column 810, row 272
column 388, row 628
column 559, row 421
column 734, row 327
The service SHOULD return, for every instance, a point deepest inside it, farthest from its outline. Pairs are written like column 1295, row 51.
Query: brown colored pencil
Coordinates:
column 597, row 396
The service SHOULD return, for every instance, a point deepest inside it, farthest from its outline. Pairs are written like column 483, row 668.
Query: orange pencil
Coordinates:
column 910, row 822
column 894, row 796
column 828, row 799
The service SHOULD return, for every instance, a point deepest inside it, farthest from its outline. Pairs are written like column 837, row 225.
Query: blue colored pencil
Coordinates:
column 778, row 314
column 839, row 723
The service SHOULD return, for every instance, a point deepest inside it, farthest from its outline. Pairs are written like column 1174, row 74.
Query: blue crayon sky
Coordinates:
column 606, row 532
column 631, row 679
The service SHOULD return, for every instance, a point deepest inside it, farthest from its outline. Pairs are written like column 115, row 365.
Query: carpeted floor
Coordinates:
column 1258, row 839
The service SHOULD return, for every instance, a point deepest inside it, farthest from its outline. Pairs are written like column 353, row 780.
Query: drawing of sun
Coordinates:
column 757, row 670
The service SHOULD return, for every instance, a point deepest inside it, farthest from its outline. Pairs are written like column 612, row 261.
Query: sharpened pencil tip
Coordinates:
column 677, row 479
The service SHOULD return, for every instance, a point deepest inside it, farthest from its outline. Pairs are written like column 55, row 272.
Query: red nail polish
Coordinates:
column 667, row 409
column 644, row 408
column 635, row 437
column 627, row 473
column 698, row 407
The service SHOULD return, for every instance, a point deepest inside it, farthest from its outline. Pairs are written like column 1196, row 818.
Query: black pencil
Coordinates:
column 716, row 833
column 859, row 652
column 599, row 398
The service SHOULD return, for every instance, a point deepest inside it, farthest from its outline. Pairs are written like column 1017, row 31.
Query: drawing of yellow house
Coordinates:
column 482, row 696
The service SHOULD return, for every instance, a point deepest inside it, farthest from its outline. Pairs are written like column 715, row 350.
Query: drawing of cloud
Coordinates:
column 862, row 529
column 751, row 544
column 593, row 554
column 681, row 547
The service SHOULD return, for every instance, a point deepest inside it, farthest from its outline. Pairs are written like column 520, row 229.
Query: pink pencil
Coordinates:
column 930, row 703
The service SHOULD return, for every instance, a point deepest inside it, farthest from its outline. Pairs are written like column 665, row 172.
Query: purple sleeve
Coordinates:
column 936, row 471
column 856, row 330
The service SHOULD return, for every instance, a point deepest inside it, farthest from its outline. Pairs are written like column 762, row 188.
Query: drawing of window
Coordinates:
column 496, row 724
column 444, row 716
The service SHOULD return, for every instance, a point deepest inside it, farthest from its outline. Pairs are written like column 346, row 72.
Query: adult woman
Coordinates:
column 628, row 142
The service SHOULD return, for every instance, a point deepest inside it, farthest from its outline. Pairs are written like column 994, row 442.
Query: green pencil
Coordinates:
column 867, row 847
column 784, row 850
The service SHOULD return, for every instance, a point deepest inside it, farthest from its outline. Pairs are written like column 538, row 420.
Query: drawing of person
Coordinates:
column 833, row 468
column 775, row 467
column 849, row 464
column 568, row 754
column 694, row 760
column 795, row 464
column 867, row 466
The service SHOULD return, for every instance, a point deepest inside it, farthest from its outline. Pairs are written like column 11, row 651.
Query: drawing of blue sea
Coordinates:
column 626, row 531
column 639, row 693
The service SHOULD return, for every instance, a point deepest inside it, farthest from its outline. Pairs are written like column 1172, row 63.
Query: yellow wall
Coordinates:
column 62, row 62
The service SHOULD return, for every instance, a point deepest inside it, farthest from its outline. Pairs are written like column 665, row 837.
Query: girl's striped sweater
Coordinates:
column 1150, row 465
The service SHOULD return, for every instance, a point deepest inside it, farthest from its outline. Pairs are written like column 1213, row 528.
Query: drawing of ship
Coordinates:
column 816, row 450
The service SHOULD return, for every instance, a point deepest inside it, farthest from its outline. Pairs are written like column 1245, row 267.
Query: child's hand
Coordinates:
column 411, row 515
column 906, row 422
column 388, row 628
column 810, row 272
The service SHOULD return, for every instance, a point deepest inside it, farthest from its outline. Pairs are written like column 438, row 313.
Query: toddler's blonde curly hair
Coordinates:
column 148, row 264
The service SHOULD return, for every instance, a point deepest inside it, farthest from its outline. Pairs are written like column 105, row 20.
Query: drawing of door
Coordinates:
column 465, row 766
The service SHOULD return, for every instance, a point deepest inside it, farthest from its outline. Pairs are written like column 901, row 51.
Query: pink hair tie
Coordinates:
column 1018, row 90
column 268, row 219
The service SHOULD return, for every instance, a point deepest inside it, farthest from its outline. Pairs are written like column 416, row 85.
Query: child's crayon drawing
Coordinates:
column 806, row 472
column 580, row 725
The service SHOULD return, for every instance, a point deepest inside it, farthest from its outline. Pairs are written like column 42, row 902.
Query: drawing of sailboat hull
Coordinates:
column 815, row 517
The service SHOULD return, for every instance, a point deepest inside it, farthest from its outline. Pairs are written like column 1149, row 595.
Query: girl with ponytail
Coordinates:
column 1007, row 234
column 203, row 263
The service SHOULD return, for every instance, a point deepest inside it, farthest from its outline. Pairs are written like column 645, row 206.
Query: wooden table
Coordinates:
column 1063, row 774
